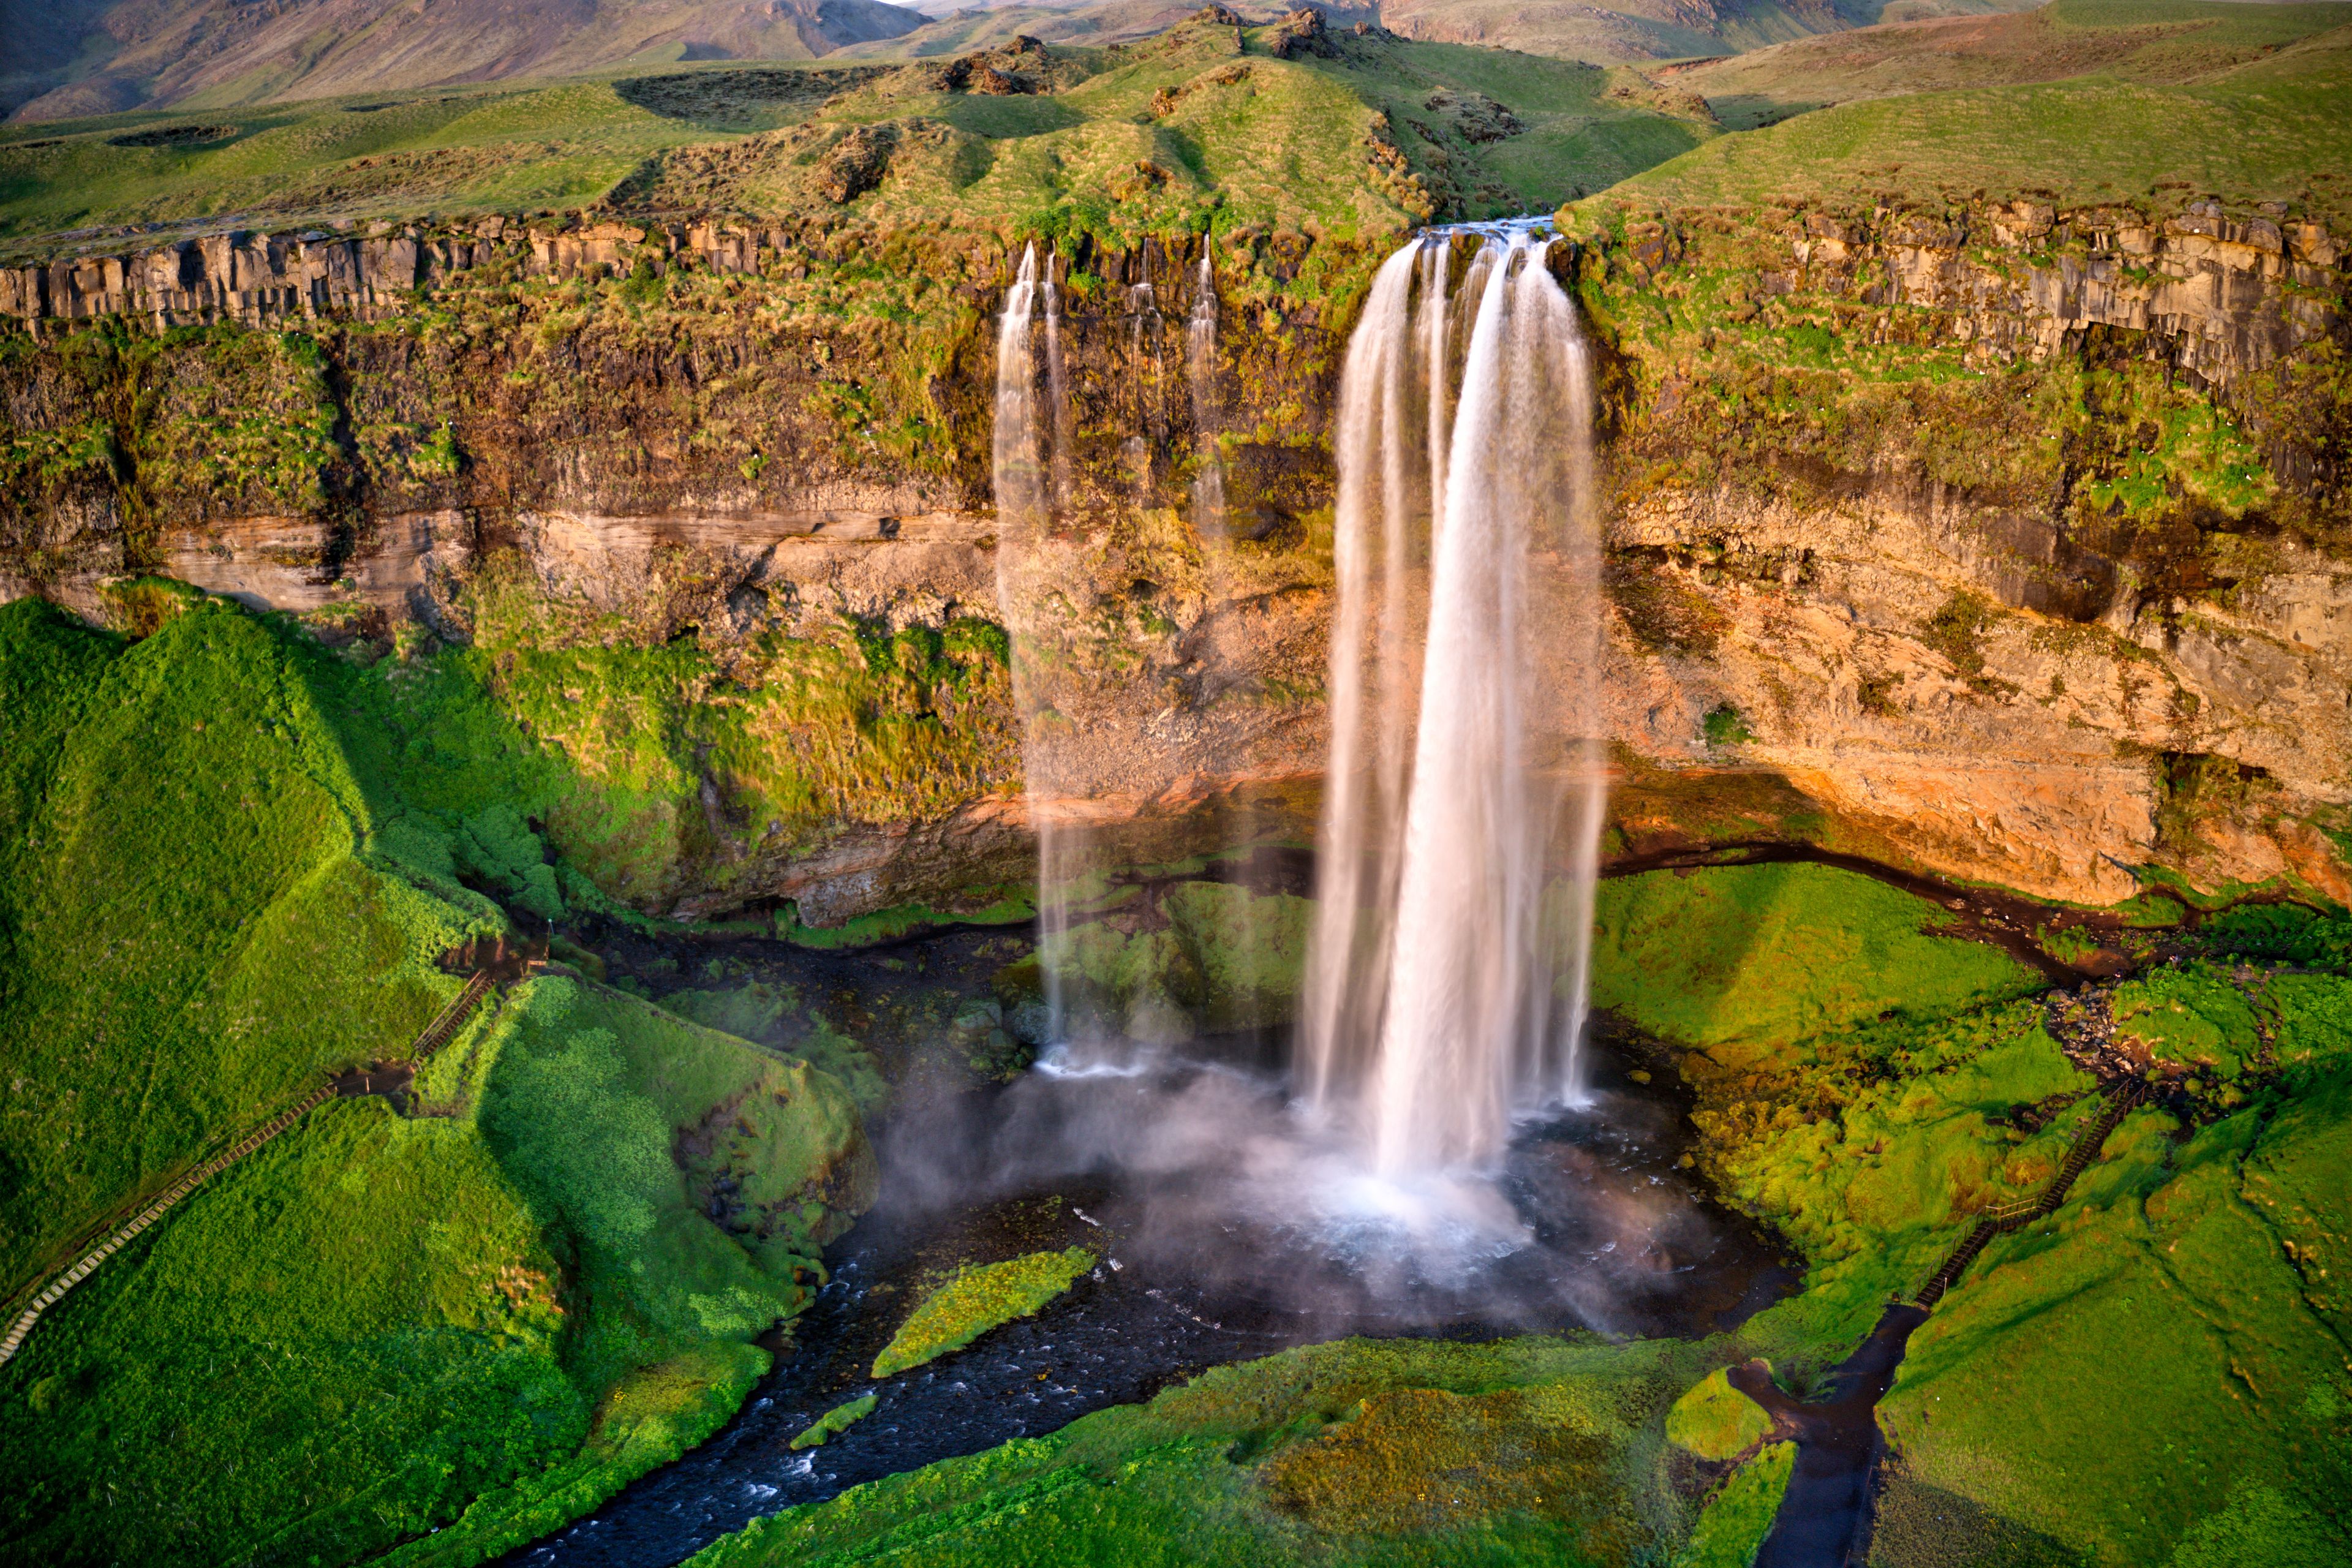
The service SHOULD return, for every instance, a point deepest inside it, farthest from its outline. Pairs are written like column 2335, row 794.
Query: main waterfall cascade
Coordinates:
column 1447, row 972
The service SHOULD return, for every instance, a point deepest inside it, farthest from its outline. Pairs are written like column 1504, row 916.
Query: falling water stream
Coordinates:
column 1462, row 803
column 1032, row 473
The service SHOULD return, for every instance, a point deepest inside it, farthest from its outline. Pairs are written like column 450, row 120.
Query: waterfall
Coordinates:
column 1464, row 793
column 1201, row 372
column 1148, row 371
column 1057, row 383
column 1030, row 476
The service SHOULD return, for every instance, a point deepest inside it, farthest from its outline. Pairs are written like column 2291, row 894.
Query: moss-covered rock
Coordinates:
column 975, row 1301
column 1715, row 1422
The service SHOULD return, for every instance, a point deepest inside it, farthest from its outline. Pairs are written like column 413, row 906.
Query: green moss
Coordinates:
column 1724, row 726
column 1011, row 907
column 795, row 738
column 1740, row 1515
column 974, row 1302
column 1521, row 1452
column 1742, row 960
column 774, row 1015
column 833, row 1423
column 2288, row 931
column 2192, row 1017
column 2176, row 1360
column 1184, row 959
column 1715, row 1421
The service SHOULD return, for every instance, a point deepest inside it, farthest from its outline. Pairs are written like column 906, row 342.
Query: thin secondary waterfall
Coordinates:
column 1031, row 471
column 1448, row 972
column 1201, row 373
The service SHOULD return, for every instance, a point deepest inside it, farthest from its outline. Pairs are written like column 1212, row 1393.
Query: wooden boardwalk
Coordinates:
column 434, row 1035
column 2121, row 1096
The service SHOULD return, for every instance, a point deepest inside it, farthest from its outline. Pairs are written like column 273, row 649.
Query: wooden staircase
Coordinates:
column 434, row 1035
column 2121, row 1096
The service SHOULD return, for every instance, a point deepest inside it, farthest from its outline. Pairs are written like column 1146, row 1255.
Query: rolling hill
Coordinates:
column 101, row 56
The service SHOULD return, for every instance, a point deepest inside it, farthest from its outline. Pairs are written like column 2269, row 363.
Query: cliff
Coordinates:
column 2001, row 539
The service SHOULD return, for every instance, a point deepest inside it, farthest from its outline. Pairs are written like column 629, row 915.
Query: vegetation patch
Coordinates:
column 1716, row 1422
column 833, row 1423
column 1359, row 1451
column 455, row 1330
column 975, row 1301
column 1740, row 1516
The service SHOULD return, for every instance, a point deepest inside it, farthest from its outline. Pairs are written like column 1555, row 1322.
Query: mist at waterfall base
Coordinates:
column 1445, row 997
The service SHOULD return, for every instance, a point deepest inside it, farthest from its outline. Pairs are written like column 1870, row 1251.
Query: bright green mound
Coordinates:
column 976, row 1301
column 1740, row 960
column 1529, row 1451
column 1715, row 1421
column 833, row 1423
column 188, row 935
column 456, row 1331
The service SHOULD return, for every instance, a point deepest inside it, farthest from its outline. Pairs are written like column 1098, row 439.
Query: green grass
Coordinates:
column 975, row 1301
column 2273, row 127
column 2160, row 42
column 2193, row 1017
column 220, row 879
column 2159, row 1365
column 1286, row 148
column 1715, row 1421
column 1738, row 1517
column 833, row 1423
column 1744, row 960
column 1527, row 1451
column 2153, row 1370
column 508, row 148
column 193, row 935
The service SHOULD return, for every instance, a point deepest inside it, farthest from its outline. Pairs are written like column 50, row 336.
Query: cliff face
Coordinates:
column 2021, row 534
column 2008, row 541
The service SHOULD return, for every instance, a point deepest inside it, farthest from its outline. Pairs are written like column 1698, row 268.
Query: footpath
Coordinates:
column 359, row 1081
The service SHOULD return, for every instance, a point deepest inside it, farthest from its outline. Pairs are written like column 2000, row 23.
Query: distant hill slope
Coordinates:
column 2150, row 41
column 68, row 59
column 1355, row 133
column 2251, row 105
column 1610, row 32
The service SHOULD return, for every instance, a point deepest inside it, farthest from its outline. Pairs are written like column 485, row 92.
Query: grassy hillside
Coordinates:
column 1199, row 125
column 226, row 866
column 2248, row 103
column 1634, row 30
column 192, row 938
column 103, row 55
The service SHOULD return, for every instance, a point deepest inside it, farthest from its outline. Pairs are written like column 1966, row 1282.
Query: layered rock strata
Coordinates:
column 2008, row 541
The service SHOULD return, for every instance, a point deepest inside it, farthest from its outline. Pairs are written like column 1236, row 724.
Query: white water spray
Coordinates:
column 1463, row 806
